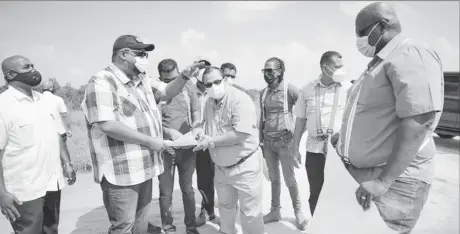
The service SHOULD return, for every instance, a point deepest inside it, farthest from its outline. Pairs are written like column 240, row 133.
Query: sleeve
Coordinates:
column 244, row 115
column 300, row 107
column 416, row 78
column 61, row 106
column 101, row 102
column 194, row 101
column 3, row 133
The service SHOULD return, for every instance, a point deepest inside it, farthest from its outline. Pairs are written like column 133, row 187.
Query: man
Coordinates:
column 125, row 132
column 57, row 107
column 179, row 114
column 276, row 132
column 31, row 153
column 204, row 163
column 386, row 138
column 320, row 108
column 229, row 71
column 230, row 134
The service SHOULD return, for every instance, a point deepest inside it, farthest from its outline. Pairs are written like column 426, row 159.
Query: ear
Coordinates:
column 9, row 75
column 384, row 25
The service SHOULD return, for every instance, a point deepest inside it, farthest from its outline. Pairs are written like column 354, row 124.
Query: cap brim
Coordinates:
column 146, row 47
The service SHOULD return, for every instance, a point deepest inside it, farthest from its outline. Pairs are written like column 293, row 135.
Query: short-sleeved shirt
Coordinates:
column 404, row 79
column 111, row 96
column 30, row 143
column 306, row 108
column 274, row 121
column 176, row 113
column 57, row 107
column 236, row 111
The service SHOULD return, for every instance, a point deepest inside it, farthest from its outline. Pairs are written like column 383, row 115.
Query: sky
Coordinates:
column 71, row 41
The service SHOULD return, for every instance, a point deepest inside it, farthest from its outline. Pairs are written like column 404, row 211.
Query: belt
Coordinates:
column 346, row 161
column 243, row 159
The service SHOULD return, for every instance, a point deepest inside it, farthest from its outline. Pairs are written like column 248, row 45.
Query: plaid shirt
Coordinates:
column 111, row 95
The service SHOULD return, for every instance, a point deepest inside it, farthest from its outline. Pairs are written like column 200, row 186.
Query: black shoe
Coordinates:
column 153, row 229
column 193, row 231
column 204, row 217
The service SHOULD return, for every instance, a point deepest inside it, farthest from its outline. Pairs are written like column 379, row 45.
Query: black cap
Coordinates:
column 131, row 42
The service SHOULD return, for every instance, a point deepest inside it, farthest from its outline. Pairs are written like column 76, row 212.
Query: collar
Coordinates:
column 321, row 85
column 279, row 88
column 123, row 78
column 391, row 45
column 199, row 92
column 21, row 96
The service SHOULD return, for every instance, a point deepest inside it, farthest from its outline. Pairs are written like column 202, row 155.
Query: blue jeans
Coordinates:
column 274, row 156
column 185, row 162
column 127, row 206
column 402, row 205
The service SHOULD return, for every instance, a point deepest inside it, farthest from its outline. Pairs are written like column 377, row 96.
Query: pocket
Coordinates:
column 128, row 108
column 26, row 133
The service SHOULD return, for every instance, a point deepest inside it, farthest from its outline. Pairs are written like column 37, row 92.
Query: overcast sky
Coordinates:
column 73, row 40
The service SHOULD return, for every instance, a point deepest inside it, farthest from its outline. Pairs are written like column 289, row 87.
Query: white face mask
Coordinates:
column 363, row 44
column 216, row 91
column 338, row 75
column 141, row 63
column 230, row 81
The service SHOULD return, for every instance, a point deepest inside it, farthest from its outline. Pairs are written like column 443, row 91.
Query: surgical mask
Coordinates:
column 362, row 43
column 141, row 63
column 338, row 75
column 216, row 91
column 31, row 78
column 230, row 81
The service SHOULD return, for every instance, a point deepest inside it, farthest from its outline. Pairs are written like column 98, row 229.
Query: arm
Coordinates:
column 301, row 118
column 63, row 111
column 3, row 141
column 410, row 135
column 102, row 110
column 2, row 179
column 243, row 122
column 195, row 108
column 261, row 121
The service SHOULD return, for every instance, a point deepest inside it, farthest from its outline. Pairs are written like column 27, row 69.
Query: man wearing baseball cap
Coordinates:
column 125, row 132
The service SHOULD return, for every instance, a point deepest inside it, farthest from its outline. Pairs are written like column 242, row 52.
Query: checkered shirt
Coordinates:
column 111, row 95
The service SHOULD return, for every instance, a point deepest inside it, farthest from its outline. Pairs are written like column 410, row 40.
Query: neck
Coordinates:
column 129, row 73
column 200, row 87
column 23, row 88
column 275, row 84
column 326, row 80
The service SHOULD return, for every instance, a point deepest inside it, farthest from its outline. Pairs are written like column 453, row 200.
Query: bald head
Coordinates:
column 374, row 13
column 16, row 63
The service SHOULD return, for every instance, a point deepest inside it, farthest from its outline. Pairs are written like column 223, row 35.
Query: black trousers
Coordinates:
column 314, row 164
column 205, row 180
column 39, row 216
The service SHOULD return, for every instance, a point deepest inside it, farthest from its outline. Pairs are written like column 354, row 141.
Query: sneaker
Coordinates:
column 273, row 216
column 153, row 229
column 204, row 217
column 302, row 222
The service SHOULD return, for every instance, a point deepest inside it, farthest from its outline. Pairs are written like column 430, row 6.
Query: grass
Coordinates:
column 78, row 143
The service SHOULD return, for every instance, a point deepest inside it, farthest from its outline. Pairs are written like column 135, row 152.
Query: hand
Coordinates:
column 156, row 144
column 197, row 132
column 168, row 147
column 69, row 173
column 296, row 157
column 192, row 70
column 335, row 139
column 203, row 143
column 7, row 205
column 368, row 190
column 174, row 134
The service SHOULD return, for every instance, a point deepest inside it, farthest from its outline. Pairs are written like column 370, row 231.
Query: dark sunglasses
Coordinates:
column 216, row 82
column 231, row 76
column 269, row 70
column 139, row 53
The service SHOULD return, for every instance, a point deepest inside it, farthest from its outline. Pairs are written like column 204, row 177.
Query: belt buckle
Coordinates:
column 319, row 132
column 330, row 131
column 346, row 160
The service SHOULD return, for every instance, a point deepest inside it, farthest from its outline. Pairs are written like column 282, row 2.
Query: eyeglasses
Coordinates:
column 269, row 70
column 216, row 82
column 231, row 76
column 139, row 53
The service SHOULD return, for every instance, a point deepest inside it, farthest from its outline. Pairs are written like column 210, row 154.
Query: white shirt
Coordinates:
column 56, row 107
column 30, row 144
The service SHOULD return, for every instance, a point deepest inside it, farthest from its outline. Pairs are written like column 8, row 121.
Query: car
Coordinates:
column 449, row 123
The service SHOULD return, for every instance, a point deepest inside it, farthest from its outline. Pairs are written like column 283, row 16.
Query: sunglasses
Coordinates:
column 139, row 53
column 269, row 70
column 216, row 82
column 231, row 76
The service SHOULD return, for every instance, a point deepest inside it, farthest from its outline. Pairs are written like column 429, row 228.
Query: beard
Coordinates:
column 271, row 80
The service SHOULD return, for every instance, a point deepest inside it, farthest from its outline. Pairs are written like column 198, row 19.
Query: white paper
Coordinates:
column 337, row 210
column 186, row 140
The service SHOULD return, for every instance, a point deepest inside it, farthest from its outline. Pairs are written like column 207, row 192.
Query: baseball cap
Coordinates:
column 203, row 59
column 131, row 42
column 199, row 77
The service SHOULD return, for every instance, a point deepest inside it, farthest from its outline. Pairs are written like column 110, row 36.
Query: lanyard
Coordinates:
column 319, row 129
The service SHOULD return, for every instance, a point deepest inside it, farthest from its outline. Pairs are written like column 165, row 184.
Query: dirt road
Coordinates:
column 83, row 211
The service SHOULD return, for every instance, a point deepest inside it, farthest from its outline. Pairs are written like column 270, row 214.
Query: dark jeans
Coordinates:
column 402, row 205
column 205, row 180
column 39, row 216
column 127, row 206
column 314, row 164
column 185, row 162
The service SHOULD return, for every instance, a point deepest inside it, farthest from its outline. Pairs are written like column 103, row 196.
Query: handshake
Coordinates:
column 177, row 140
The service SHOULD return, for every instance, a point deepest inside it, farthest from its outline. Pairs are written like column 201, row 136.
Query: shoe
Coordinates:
column 153, row 229
column 273, row 216
column 192, row 231
column 302, row 222
column 204, row 217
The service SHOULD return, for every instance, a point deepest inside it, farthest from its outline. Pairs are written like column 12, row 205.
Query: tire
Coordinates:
column 445, row 136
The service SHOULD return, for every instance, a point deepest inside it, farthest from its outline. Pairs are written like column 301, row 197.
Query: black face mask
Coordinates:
column 31, row 78
column 271, row 80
